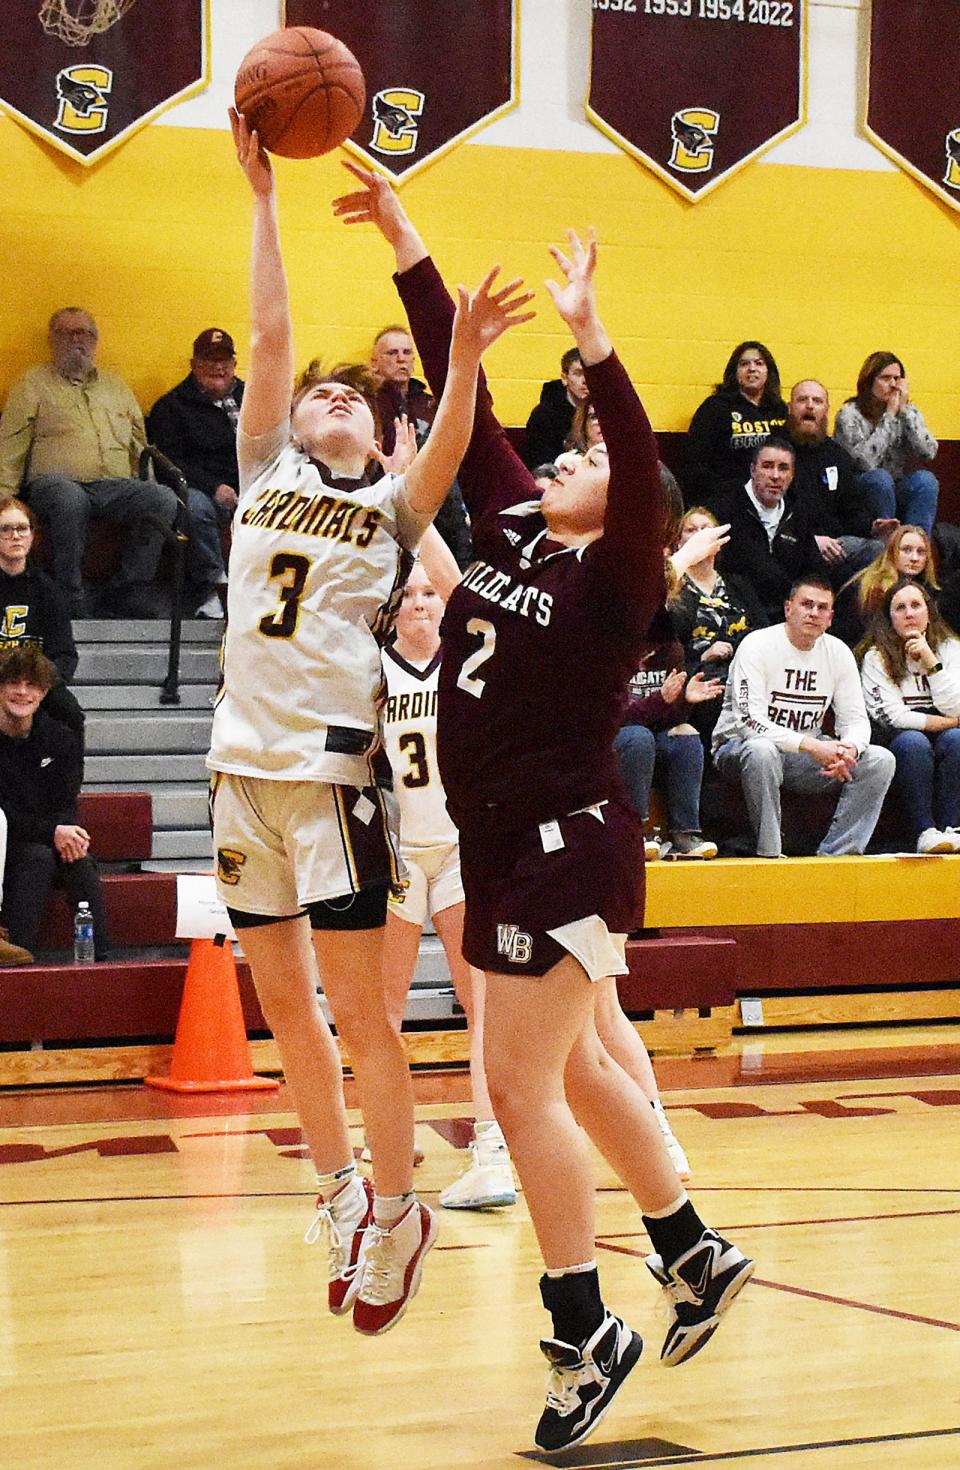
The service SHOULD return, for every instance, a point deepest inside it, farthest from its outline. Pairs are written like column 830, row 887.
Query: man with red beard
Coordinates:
column 827, row 482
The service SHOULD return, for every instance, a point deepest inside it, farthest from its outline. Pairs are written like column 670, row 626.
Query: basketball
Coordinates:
column 302, row 90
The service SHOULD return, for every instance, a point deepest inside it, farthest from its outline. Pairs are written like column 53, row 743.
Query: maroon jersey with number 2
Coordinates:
column 539, row 640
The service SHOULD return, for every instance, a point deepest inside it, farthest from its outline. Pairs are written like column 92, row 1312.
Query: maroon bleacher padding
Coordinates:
column 141, row 910
column 776, row 957
column 111, row 1000
column 681, row 970
column 120, row 824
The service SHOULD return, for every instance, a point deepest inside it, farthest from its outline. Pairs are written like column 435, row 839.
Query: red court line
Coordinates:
column 786, row 1224
column 845, row 1301
column 808, row 1189
column 147, row 1199
column 817, row 1296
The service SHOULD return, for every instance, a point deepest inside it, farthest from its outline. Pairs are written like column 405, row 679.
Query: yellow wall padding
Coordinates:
column 823, row 265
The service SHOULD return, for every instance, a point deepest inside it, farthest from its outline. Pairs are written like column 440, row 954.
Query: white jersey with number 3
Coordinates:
column 410, row 737
column 316, row 574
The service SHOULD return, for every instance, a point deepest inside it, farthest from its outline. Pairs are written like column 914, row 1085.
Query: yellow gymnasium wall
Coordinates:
column 824, row 265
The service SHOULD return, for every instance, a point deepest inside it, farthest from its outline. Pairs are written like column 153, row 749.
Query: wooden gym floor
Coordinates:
column 159, row 1311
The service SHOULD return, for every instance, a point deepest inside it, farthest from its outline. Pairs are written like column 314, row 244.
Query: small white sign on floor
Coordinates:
column 751, row 1012
column 201, row 912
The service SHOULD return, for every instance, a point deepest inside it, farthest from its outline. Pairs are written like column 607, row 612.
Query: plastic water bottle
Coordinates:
column 83, row 950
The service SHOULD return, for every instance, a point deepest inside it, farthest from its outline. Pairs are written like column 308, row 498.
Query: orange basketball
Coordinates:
column 302, row 91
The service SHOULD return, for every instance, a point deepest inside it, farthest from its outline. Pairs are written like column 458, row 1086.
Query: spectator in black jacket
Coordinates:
column 195, row 425
column 41, row 769
column 771, row 539
column 744, row 408
column 552, row 419
column 401, row 395
column 34, row 610
column 828, row 482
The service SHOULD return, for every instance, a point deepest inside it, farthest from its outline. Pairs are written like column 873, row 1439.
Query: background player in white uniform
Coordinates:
column 300, row 829
column 430, row 847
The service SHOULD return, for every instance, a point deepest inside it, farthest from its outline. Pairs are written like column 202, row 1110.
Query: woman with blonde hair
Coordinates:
column 911, row 684
column 909, row 552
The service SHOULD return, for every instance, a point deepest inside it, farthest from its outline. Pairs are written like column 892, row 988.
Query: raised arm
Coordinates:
column 492, row 474
column 630, row 551
column 439, row 563
column 266, row 397
column 481, row 317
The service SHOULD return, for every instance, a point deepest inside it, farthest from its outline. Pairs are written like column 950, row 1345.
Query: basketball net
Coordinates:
column 78, row 21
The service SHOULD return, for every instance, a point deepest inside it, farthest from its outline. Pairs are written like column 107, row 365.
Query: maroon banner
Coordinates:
column 436, row 70
column 697, row 88
column 913, row 97
column 85, row 74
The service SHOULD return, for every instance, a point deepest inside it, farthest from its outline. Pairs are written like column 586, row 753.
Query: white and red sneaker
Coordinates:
column 344, row 1222
column 391, row 1268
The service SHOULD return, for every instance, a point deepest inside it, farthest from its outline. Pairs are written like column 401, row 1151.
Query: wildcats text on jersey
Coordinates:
column 504, row 590
column 313, row 515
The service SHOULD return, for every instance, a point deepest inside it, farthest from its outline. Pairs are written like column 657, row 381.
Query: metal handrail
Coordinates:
column 152, row 458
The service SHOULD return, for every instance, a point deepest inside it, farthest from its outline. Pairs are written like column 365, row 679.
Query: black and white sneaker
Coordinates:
column 582, row 1381
column 701, row 1285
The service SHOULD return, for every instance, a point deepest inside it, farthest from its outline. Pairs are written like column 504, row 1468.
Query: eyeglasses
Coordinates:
column 8, row 532
column 84, row 332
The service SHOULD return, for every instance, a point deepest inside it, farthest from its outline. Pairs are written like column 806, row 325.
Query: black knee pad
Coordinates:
column 364, row 910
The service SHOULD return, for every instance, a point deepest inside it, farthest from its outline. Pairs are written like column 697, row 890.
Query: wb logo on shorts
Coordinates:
column 514, row 944
column 229, row 865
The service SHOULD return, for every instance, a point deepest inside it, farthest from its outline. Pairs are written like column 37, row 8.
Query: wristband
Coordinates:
column 936, row 668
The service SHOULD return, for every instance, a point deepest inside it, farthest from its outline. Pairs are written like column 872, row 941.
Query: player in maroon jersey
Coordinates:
column 540, row 639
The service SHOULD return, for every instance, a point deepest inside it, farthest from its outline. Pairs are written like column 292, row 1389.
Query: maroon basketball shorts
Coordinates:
column 570, row 886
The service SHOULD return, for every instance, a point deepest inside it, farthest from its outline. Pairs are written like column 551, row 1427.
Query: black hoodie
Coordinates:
column 548, row 425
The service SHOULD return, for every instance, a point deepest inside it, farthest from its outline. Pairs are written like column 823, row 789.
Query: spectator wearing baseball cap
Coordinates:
column 195, row 425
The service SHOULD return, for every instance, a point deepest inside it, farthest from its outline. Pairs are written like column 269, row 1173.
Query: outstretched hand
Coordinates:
column 404, row 448
column 253, row 159
column 484, row 315
column 575, row 299
column 377, row 202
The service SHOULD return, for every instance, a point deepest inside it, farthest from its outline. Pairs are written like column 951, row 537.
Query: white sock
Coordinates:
column 670, row 1209
column 489, row 1130
column 580, row 1270
column 389, row 1208
column 330, row 1185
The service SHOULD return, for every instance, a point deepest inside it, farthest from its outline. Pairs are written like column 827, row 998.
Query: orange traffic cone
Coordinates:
column 211, row 1052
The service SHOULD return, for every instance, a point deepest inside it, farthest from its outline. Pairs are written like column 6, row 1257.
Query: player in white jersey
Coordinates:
column 300, row 829
column 430, row 846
